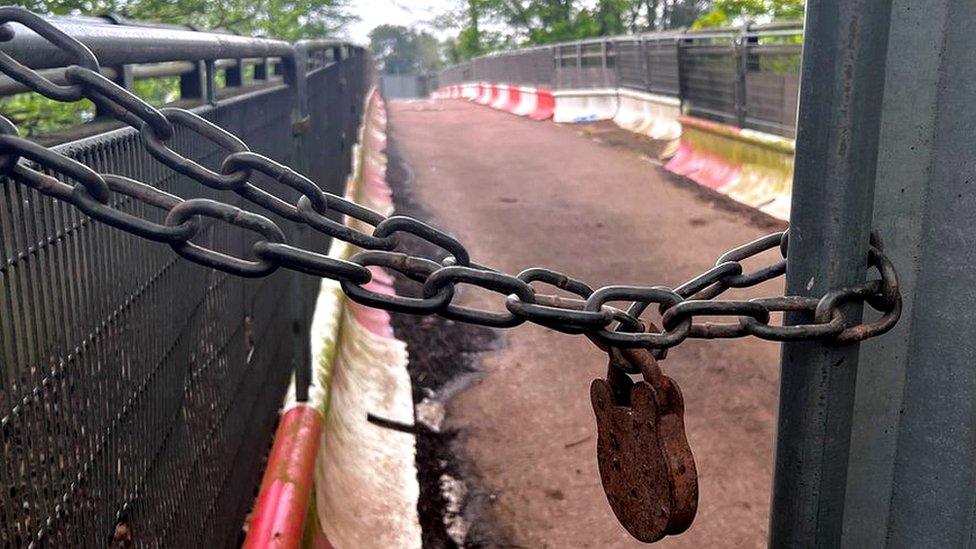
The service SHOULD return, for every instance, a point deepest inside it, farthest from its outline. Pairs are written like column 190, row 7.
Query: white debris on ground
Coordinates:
column 430, row 413
column 455, row 492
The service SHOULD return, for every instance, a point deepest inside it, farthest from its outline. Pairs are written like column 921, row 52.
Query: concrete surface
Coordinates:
column 521, row 193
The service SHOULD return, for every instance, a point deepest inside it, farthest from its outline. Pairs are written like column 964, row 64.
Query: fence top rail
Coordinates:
column 135, row 43
column 777, row 28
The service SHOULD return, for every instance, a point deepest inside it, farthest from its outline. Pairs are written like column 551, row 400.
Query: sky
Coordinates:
column 408, row 13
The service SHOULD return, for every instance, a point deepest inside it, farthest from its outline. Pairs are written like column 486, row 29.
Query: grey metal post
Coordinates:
column 740, row 50
column 579, row 65
column 295, row 73
column 234, row 74
column 912, row 481
column 645, row 66
column 261, row 70
column 833, row 188
column 681, row 74
column 193, row 85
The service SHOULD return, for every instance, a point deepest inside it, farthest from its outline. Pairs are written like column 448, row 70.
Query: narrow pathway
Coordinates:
column 521, row 193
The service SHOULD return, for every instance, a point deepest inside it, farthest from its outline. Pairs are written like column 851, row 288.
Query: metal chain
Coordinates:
column 588, row 313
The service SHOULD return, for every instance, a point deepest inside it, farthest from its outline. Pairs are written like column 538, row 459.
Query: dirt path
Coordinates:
column 521, row 193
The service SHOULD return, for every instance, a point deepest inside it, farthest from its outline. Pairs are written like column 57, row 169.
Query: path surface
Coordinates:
column 522, row 193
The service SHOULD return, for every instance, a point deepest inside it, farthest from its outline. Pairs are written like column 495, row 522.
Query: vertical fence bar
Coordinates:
column 740, row 49
column 193, row 85
column 833, row 188
column 234, row 74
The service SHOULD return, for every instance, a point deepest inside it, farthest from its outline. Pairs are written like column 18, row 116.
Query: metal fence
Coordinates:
column 139, row 391
column 748, row 76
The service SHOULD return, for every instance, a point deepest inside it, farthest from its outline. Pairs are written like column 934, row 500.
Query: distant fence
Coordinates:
column 747, row 77
column 405, row 86
column 139, row 391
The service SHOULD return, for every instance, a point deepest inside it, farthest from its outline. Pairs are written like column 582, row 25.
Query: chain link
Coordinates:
column 588, row 312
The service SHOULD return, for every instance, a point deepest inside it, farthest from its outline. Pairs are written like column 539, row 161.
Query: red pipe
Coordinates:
column 279, row 514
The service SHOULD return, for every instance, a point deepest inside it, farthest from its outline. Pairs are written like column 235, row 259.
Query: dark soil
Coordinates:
column 443, row 360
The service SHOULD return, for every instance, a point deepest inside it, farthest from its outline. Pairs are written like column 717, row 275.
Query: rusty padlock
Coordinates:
column 646, row 464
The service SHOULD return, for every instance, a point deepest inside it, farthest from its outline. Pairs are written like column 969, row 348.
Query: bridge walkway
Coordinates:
column 521, row 193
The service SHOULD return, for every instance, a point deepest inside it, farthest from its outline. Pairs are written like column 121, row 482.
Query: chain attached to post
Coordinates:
column 590, row 314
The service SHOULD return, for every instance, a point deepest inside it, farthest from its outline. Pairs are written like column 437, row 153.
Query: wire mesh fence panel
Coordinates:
column 709, row 76
column 568, row 67
column 630, row 64
column 139, row 391
column 772, row 82
column 596, row 65
column 661, row 60
column 540, row 67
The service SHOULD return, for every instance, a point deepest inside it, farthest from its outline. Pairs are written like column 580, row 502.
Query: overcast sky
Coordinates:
column 408, row 13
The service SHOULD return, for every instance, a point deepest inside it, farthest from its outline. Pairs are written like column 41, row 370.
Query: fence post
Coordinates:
column 681, row 73
column 833, row 189
column 645, row 66
column 198, row 83
column 295, row 71
column 740, row 49
column 234, row 74
column 579, row 65
column 261, row 70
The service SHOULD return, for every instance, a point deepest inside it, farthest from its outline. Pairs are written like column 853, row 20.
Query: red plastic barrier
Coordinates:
column 545, row 106
column 514, row 97
column 286, row 489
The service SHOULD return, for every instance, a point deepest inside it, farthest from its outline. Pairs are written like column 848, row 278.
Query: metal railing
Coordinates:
column 748, row 77
column 139, row 391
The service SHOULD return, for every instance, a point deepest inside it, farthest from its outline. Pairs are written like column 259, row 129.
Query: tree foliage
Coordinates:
column 285, row 19
column 728, row 12
column 534, row 22
column 402, row 50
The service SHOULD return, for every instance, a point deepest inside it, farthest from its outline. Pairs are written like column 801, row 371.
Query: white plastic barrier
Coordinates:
column 653, row 115
column 528, row 101
column 585, row 105
column 469, row 91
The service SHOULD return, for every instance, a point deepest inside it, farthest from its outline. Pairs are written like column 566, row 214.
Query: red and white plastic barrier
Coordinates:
column 513, row 100
column 528, row 102
column 534, row 103
column 363, row 477
column 545, row 105
column 500, row 97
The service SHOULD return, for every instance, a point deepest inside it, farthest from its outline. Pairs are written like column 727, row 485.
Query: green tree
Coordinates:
column 730, row 12
column 402, row 50
column 285, row 19
column 533, row 22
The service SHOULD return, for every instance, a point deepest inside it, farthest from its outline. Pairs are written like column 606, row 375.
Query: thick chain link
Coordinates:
column 589, row 312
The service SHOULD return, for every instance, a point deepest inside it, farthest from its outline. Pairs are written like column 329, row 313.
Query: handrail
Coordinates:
column 752, row 29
